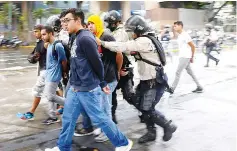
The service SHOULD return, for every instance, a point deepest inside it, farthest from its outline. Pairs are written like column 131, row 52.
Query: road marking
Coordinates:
column 24, row 89
column 4, row 60
column 17, row 68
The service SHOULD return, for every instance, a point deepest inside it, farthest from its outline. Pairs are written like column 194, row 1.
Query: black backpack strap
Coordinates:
column 159, row 48
column 138, row 56
column 54, row 52
column 33, row 51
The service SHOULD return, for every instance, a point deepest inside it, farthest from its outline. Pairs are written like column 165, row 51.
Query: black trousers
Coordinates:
column 209, row 48
column 126, row 84
column 148, row 94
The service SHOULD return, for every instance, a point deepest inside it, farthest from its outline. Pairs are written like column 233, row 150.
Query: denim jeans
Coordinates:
column 106, row 105
column 67, row 88
column 87, row 102
column 208, row 53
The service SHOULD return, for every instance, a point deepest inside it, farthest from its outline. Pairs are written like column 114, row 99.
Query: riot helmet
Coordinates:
column 54, row 22
column 208, row 27
column 217, row 28
column 112, row 18
column 137, row 24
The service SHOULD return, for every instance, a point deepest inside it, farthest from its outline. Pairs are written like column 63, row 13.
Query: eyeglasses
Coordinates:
column 66, row 20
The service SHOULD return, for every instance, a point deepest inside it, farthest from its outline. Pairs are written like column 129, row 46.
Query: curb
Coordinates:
column 20, row 47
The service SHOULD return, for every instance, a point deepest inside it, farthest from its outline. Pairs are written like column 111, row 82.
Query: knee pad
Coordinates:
column 127, row 96
column 147, row 115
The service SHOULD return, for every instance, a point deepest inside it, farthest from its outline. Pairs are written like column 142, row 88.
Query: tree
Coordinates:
column 214, row 11
column 79, row 3
column 4, row 17
column 183, row 4
column 39, row 14
column 30, row 16
column 20, row 26
column 54, row 11
column 49, row 2
column 233, row 3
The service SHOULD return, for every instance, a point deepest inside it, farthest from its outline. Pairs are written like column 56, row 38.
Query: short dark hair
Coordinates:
column 179, row 23
column 63, row 14
column 77, row 13
column 48, row 29
column 38, row 27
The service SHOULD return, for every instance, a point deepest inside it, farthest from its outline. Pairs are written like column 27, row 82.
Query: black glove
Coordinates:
column 65, row 81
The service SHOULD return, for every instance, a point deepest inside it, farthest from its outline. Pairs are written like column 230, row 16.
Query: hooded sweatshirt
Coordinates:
column 108, row 57
column 98, row 24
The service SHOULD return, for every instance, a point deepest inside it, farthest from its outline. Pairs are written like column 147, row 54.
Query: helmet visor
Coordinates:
column 130, row 28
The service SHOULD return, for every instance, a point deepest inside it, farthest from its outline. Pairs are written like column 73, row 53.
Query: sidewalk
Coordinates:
column 31, row 47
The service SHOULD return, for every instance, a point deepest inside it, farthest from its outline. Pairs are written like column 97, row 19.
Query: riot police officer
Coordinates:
column 150, row 60
column 60, row 33
column 114, row 24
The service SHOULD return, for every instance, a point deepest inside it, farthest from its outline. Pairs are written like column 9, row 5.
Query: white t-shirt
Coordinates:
column 184, row 48
column 213, row 36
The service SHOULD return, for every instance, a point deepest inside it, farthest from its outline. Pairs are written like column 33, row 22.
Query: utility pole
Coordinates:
column 10, row 18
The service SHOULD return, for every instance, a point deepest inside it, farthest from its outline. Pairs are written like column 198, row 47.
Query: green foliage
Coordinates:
column 54, row 11
column 39, row 13
column 184, row 4
column 22, row 21
column 233, row 3
column 49, row 2
column 4, row 17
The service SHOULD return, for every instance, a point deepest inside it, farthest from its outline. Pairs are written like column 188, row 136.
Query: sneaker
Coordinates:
column 125, row 148
column 97, row 132
column 50, row 120
column 52, row 149
column 26, row 116
column 101, row 138
column 83, row 132
column 59, row 111
column 198, row 90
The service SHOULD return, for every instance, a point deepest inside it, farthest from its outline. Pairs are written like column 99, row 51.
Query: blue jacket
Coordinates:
column 86, row 67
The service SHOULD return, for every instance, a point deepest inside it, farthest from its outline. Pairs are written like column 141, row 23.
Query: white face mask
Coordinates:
column 130, row 35
column 64, row 36
column 106, row 24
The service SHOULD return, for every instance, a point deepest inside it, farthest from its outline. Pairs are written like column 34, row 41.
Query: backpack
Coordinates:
column 161, row 76
column 67, row 52
column 31, row 57
column 159, row 49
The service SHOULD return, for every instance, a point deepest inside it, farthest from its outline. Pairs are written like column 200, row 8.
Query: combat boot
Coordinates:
column 168, row 127
column 148, row 137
